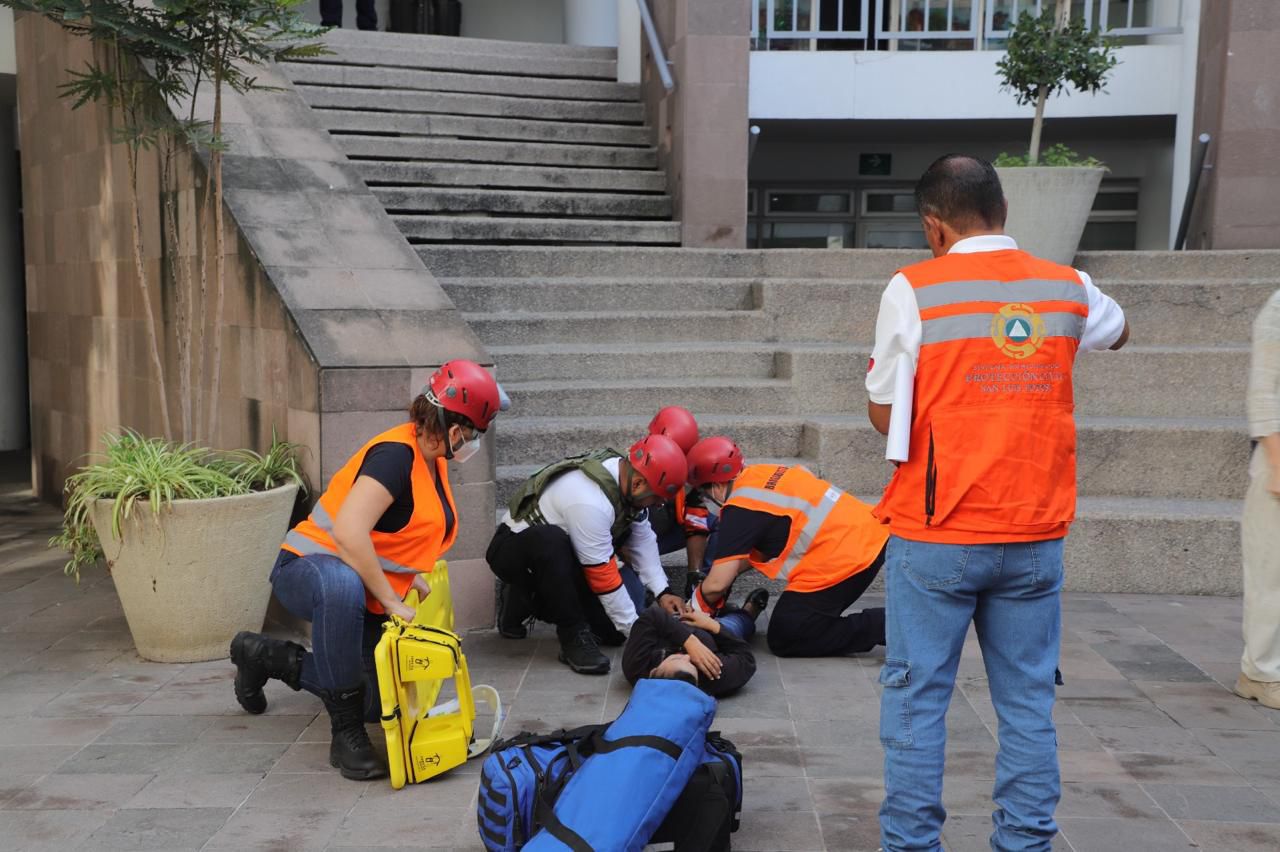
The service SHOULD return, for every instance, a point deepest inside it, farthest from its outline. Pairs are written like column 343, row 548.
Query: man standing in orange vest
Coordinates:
column 790, row 525
column 979, row 510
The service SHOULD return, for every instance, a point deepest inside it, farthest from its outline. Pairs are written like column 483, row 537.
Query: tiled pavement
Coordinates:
column 102, row 750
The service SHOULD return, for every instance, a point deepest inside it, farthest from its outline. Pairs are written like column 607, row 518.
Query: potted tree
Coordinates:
column 1050, row 195
column 187, row 534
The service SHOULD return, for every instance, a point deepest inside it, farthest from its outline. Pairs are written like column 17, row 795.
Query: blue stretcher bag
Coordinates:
column 598, row 788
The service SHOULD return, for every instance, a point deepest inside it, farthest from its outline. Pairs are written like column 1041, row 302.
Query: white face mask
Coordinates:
column 466, row 449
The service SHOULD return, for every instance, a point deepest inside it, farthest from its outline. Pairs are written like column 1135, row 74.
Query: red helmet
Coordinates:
column 715, row 459
column 661, row 464
column 677, row 424
column 466, row 388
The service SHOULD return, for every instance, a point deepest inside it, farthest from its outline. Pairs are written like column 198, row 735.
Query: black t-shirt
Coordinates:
column 742, row 531
column 390, row 464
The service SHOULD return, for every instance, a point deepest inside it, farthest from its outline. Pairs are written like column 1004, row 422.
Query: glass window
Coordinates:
column 807, row 235
column 1109, row 236
column 889, row 202
column 1125, row 200
column 892, row 235
column 809, row 202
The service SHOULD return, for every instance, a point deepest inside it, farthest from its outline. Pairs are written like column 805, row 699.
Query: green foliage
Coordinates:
column 150, row 472
column 1056, row 155
column 158, row 54
column 1041, row 59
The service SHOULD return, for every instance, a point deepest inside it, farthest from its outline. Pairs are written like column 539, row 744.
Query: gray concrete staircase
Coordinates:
column 530, row 185
column 771, row 347
column 491, row 142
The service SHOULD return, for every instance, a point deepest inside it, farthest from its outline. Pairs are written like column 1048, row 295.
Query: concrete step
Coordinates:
column 1177, row 312
column 1155, row 381
column 521, row 86
column 490, row 229
column 583, row 262
column 524, row 440
column 588, row 205
column 1237, row 265
column 596, row 397
column 514, row 328
column 1168, row 458
column 542, row 361
column 385, row 173
column 1154, row 546
column 486, row 132
column 415, row 148
column 398, row 100
column 469, row 54
column 559, row 294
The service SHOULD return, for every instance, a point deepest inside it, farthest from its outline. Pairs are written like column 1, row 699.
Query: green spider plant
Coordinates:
column 135, row 471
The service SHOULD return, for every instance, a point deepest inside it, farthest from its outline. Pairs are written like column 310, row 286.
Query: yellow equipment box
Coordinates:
column 413, row 661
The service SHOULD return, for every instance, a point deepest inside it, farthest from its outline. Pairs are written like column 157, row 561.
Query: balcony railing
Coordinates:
column 940, row 24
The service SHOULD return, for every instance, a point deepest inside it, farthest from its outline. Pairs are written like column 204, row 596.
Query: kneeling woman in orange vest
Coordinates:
column 384, row 520
column 788, row 524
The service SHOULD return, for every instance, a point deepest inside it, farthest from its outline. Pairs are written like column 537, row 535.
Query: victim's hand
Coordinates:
column 699, row 619
column 703, row 658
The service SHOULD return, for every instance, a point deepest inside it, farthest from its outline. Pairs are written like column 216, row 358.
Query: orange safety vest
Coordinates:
column 993, row 443
column 833, row 535
column 403, row 554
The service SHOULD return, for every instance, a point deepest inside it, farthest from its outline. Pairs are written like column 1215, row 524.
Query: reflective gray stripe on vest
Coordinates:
column 815, row 517
column 1026, row 290
column 307, row 547
column 968, row 326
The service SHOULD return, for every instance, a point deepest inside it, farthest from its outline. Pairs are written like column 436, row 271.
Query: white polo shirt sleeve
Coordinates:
column 641, row 553
column 1106, row 319
column 898, row 332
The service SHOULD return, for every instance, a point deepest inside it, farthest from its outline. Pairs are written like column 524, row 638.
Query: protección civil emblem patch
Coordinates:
column 1017, row 330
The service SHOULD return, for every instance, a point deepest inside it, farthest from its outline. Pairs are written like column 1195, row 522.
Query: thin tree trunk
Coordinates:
column 182, row 313
column 200, row 233
column 127, row 105
column 1037, row 126
column 153, row 335
column 219, row 262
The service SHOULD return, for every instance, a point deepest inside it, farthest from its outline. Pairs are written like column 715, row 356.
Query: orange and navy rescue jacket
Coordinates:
column 412, row 550
column 993, row 445
column 832, row 534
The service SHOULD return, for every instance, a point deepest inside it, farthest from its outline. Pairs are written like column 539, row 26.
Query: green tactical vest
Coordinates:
column 524, row 503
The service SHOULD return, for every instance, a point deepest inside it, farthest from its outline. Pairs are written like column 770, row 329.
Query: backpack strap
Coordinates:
column 524, row 503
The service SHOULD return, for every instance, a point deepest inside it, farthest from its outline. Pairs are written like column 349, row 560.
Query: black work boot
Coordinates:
column 350, row 750
column 580, row 652
column 514, row 610
column 259, row 658
column 692, row 580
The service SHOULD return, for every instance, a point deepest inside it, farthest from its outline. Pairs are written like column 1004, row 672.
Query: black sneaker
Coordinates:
column 580, row 652
column 758, row 600
column 514, row 610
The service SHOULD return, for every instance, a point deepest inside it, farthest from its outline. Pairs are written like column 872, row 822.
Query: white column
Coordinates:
column 591, row 22
column 1185, row 131
column 14, row 404
column 629, row 35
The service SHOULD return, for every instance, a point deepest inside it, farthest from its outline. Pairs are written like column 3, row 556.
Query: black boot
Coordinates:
column 580, row 652
column 692, row 580
column 259, row 658
column 350, row 750
column 514, row 610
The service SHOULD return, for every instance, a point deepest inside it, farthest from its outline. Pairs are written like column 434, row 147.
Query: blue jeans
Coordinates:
column 738, row 623
column 1011, row 594
column 327, row 592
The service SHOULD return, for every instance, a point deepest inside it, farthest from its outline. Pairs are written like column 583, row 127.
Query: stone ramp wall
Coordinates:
column 331, row 322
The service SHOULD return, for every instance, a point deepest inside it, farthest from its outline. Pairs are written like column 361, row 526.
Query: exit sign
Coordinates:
column 875, row 164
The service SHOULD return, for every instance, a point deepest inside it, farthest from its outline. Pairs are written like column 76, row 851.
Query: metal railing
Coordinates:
column 941, row 24
column 655, row 46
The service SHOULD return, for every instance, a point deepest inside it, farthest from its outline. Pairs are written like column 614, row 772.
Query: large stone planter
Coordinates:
column 1049, row 207
column 193, row 577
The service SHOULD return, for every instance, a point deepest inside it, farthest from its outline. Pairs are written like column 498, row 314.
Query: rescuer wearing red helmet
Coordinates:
column 385, row 519
column 557, row 547
column 682, row 523
column 788, row 524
